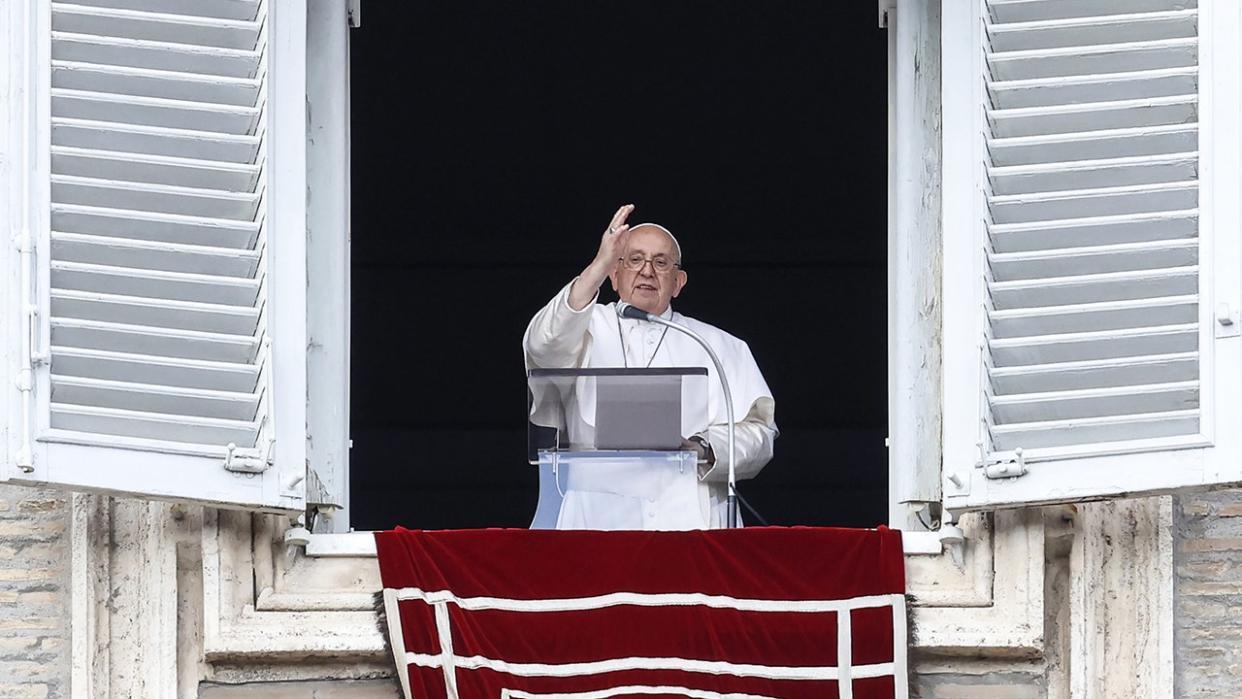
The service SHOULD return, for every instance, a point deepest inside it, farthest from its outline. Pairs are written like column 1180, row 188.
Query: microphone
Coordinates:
column 626, row 310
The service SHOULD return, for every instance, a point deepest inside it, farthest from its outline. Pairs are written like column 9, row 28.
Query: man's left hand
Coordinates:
column 705, row 456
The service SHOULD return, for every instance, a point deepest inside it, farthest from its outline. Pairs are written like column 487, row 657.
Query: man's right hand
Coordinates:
column 611, row 245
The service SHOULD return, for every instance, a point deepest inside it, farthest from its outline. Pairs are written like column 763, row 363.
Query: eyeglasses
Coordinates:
column 635, row 261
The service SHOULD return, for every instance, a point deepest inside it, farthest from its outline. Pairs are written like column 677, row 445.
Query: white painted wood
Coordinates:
column 169, row 199
column 1061, row 32
column 1093, row 116
column 963, row 135
column 163, row 84
column 176, row 57
column 1063, row 147
column 1090, row 215
column 149, row 226
column 1095, row 230
column 164, row 313
column 94, row 106
column 150, row 340
column 167, row 168
column 153, row 169
column 162, row 426
column 1104, row 58
column 1090, row 345
column 166, row 371
column 914, row 275
column 286, row 254
column 19, row 149
column 155, row 255
column 192, row 143
column 1096, row 87
column 1035, row 10
column 220, row 9
column 156, row 284
column 328, row 255
column 156, row 26
column 1121, row 371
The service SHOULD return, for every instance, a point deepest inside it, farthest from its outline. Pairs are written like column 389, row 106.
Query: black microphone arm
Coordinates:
column 626, row 310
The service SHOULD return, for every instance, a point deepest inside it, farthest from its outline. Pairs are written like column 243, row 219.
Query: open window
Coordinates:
column 157, row 314
column 1091, row 251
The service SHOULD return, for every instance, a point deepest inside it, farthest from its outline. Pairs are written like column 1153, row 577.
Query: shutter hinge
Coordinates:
column 354, row 10
column 38, row 357
column 1006, row 468
column 248, row 464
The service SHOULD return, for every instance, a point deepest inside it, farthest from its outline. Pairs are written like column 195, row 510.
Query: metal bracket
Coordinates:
column 354, row 10
column 953, row 539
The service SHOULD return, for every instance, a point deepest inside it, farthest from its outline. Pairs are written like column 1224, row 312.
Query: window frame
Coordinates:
column 328, row 256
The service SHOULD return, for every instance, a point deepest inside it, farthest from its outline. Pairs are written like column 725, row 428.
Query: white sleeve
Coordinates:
column 755, row 434
column 556, row 336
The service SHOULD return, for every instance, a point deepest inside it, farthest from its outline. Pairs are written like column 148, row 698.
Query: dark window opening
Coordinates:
column 492, row 141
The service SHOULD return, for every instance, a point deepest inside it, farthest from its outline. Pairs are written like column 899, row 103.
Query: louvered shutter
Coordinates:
column 168, row 338
column 1087, row 182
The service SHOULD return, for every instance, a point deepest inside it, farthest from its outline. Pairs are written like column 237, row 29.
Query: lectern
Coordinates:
column 609, row 446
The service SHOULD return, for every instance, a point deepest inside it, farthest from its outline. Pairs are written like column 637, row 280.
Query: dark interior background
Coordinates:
column 493, row 140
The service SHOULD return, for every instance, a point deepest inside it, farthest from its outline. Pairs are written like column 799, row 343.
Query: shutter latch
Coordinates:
column 1007, row 468
column 1227, row 324
column 247, row 464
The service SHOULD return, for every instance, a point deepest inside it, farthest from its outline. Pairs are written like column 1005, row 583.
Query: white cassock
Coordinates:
column 628, row 496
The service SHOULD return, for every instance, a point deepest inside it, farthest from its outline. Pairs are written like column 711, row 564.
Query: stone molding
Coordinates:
column 263, row 601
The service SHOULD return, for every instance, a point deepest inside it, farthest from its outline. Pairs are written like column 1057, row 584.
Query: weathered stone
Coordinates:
column 1232, row 544
column 992, row 686
column 24, row 691
column 18, row 644
column 28, row 575
column 40, row 504
column 331, row 689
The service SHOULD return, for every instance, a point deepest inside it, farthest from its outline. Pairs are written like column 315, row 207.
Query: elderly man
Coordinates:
column 643, row 263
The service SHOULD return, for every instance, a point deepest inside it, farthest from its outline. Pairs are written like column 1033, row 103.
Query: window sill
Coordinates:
column 362, row 545
column 348, row 545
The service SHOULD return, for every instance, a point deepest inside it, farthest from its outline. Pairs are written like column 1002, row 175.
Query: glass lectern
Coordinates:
column 609, row 444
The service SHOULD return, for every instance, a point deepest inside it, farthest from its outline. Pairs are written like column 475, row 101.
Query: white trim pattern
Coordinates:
column 643, row 599
column 843, row 673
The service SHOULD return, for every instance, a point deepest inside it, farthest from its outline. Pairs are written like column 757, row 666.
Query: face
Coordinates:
column 646, row 288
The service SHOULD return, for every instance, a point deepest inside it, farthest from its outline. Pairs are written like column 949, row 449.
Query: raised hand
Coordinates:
column 611, row 246
column 612, row 243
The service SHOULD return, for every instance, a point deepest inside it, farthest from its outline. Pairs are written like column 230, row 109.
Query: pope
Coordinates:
column 643, row 264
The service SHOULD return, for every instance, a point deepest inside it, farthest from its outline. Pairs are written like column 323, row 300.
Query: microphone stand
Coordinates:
column 629, row 311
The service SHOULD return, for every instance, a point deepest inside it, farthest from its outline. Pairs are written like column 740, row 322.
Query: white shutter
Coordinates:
column 169, row 274
column 1078, row 246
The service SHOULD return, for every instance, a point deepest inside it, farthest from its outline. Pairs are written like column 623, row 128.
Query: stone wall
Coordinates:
column 1208, row 580
column 34, row 593
column 35, row 608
